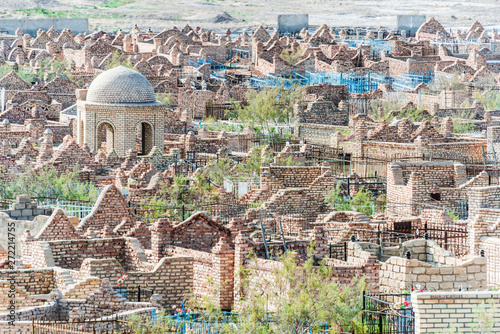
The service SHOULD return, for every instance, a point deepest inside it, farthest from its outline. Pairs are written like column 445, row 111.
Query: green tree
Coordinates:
column 46, row 182
column 360, row 201
column 254, row 161
column 119, row 59
column 4, row 70
column 300, row 298
column 271, row 105
column 291, row 57
column 52, row 68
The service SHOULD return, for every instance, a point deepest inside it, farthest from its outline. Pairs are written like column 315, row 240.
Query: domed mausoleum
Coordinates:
column 118, row 109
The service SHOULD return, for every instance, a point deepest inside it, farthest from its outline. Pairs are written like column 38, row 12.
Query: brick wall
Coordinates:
column 317, row 133
column 436, row 312
column 491, row 247
column 33, row 281
column 412, row 184
column 110, row 209
column 321, row 112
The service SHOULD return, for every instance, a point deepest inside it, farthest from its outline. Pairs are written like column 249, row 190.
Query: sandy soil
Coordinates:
column 249, row 13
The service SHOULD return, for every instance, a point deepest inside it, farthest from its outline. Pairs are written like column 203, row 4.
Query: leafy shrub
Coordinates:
column 361, row 201
column 48, row 183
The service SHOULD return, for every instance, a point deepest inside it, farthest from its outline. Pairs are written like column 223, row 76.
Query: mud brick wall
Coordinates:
column 57, row 227
column 101, row 268
column 14, row 136
column 409, row 184
column 321, row 112
column 279, row 177
column 202, row 269
column 198, row 232
column 333, row 93
column 359, row 262
column 110, row 209
column 473, row 150
column 435, row 311
column 47, row 311
column 59, row 131
column 276, row 248
column 33, row 281
column 83, row 289
column 383, row 150
column 294, row 201
column 493, row 141
column 263, row 273
column 70, row 254
column 340, row 225
column 292, row 224
column 172, row 277
column 196, row 101
column 210, row 145
column 142, row 233
column 486, row 202
column 317, row 133
column 21, row 298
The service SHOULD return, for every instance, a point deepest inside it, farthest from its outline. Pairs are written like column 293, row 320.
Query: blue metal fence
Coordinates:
column 204, row 323
column 214, row 65
column 286, row 80
column 364, row 83
column 359, row 83
column 376, row 45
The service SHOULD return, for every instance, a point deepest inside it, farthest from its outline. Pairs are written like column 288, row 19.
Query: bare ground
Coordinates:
column 249, row 13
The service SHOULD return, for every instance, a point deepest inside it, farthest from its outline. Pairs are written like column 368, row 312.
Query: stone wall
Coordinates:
column 438, row 269
column 24, row 209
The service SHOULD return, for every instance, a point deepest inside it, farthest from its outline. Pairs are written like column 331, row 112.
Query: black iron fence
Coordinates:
column 134, row 293
column 224, row 111
column 338, row 251
column 225, row 211
column 388, row 314
column 277, row 141
column 453, row 238
column 80, row 327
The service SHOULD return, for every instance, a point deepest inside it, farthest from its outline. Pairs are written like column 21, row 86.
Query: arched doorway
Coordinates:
column 144, row 138
column 106, row 137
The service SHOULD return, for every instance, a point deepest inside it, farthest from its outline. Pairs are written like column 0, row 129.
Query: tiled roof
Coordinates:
column 121, row 85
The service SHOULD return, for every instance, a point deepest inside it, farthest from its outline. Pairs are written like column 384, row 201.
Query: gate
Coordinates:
column 360, row 105
column 388, row 314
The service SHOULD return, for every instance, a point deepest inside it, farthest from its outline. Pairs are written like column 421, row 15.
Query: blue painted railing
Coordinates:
column 203, row 323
